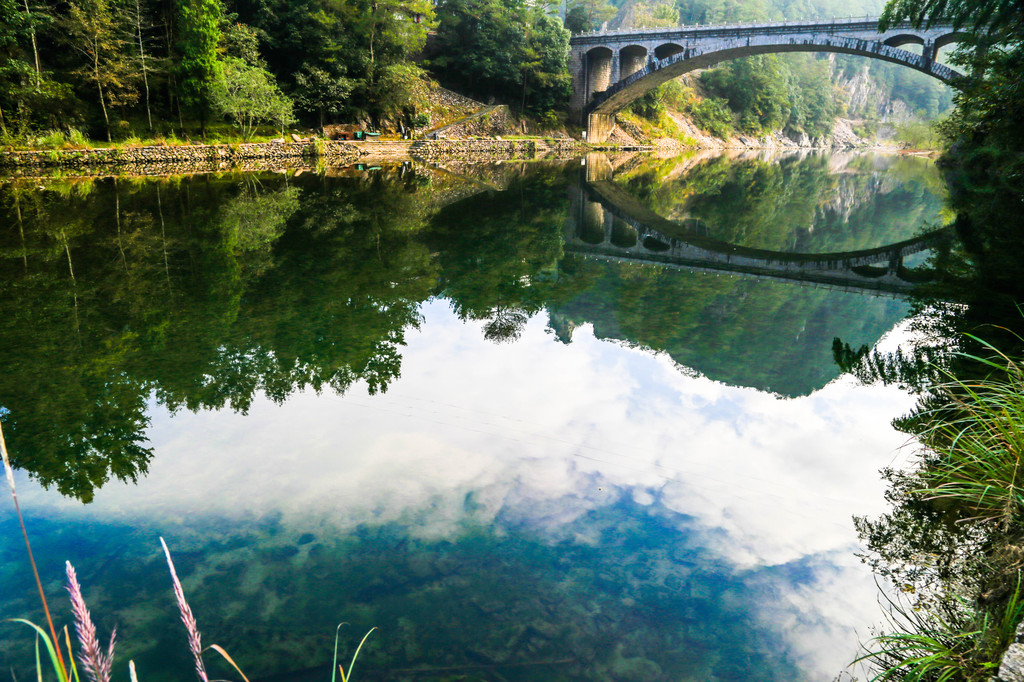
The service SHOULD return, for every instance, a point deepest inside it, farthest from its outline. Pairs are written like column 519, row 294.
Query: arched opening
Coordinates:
column 631, row 59
column 952, row 37
column 592, row 223
column 904, row 39
column 667, row 50
column 652, row 244
column 599, row 70
column 623, row 234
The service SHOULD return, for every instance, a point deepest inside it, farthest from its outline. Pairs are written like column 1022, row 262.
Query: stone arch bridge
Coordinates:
column 606, row 222
column 611, row 69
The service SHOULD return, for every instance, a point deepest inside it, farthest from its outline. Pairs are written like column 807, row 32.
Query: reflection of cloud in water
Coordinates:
column 539, row 435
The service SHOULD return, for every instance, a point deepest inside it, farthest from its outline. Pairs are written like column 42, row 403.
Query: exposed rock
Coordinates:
column 1012, row 667
column 488, row 122
column 296, row 138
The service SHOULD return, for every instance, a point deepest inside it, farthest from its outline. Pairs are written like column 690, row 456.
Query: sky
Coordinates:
column 542, row 434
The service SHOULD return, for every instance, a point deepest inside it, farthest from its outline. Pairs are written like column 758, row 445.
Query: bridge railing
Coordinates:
column 868, row 23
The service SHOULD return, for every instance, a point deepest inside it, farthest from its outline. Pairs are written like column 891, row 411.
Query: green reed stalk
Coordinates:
column 978, row 452
column 32, row 560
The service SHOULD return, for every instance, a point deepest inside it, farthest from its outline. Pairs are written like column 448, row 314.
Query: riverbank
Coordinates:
column 193, row 158
column 263, row 155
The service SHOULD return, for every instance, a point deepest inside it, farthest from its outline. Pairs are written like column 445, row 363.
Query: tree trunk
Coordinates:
column 35, row 48
column 99, row 85
column 142, row 59
column 163, row 236
column 21, row 232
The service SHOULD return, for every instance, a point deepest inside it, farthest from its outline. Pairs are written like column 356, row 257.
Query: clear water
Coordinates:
column 401, row 399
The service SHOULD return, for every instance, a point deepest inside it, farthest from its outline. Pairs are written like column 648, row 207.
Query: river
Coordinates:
column 532, row 421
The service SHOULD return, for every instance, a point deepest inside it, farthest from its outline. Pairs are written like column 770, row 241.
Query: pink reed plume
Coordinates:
column 97, row 666
column 194, row 642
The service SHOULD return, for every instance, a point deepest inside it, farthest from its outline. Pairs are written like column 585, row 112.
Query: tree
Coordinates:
column 249, row 96
column 980, row 16
column 95, row 28
column 199, row 35
column 492, row 48
column 756, row 90
column 583, row 16
column 320, row 92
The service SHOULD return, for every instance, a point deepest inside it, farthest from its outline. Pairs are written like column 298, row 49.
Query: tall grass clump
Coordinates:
column 948, row 642
column 975, row 441
column 970, row 469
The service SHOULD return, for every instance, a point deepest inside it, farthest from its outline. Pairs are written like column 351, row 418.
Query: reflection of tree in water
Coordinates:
column 958, row 562
column 208, row 292
column 811, row 204
column 202, row 295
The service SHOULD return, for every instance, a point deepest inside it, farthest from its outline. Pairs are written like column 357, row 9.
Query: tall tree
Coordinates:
column 583, row 16
column 198, row 34
column 96, row 29
column 493, row 48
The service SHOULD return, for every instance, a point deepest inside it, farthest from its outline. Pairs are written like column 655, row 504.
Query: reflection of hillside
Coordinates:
column 800, row 203
column 767, row 335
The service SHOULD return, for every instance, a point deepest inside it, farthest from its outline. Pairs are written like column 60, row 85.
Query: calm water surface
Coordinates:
column 533, row 422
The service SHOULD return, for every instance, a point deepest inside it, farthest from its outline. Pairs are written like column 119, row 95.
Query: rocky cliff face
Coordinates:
column 868, row 100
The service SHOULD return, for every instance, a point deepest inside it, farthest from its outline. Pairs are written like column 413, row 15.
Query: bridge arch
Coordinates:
column 948, row 38
column 599, row 69
column 902, row 39
column 599, row 113
column 632, row 58
column 666, row 50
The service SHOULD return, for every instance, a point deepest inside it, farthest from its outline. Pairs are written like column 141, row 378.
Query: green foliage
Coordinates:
column 199, row 34
column 756, row 89
column 248, row 95
column 710, row 114
column 584, row 16
column 990, row 16
column 769, row 93
column 650, row 105
column 321, row 92
column 918, row 135
column 97, row 30
column 510, row 50
column 946, row 642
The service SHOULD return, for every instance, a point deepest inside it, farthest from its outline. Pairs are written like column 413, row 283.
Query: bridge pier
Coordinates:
column 599, row 127
column 929, row 52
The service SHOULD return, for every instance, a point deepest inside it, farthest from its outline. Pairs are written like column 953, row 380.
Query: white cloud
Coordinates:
column 547, row 432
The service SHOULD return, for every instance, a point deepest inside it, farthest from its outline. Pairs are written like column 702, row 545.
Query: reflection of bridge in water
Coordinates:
column 608, row 223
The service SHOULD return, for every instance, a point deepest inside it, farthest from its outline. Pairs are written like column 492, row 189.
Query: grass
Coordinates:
column 944, row 643
column 73, row 139
column 971, row 463
column 977, row 441
column 97, row 665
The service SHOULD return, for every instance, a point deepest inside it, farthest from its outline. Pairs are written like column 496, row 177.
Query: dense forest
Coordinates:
column 124, row 69
column 118, row 68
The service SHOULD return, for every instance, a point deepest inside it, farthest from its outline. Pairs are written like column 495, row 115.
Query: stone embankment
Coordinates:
column 532, row 148
column 276, row 155
column 186, row 158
